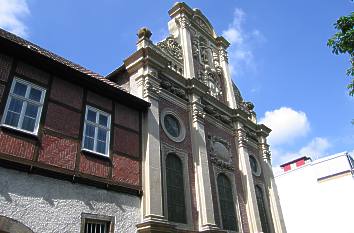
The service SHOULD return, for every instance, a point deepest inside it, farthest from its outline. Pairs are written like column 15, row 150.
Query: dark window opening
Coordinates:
column 175, row 190
column 227, row 205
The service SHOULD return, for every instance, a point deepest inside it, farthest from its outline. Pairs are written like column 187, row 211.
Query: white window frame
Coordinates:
column 25, row 100
column 97, row 126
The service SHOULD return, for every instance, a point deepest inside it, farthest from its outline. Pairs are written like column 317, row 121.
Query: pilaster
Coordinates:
column 183, row 23
column 275, row 208
column 202, row 175
column 224, row 63
column 146, row 86
column 248, row 184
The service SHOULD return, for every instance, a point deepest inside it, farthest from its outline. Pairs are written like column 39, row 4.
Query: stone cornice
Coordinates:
column 263, row 130
column 142, row 57
column 221, row 41
column 197, row 87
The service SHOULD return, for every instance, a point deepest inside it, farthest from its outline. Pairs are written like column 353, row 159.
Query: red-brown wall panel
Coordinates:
column 67, row 93
column 126, row 141
column 5, row 67
column 127, row 117
column 103, row 102
column 94, row 166
column 32, row 73
column 126, row 170
column 62, row 120
column 16, row 147
column 59, row 152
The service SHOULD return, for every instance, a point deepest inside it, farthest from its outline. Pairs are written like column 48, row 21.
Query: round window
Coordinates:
column 255, row 166
column 172, row 125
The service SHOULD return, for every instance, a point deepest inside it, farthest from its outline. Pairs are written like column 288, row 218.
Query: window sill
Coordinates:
column 95, row 154
column 21, row 131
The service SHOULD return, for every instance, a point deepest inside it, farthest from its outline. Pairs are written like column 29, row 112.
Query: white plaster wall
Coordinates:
column 50, row 205
column 311, row 206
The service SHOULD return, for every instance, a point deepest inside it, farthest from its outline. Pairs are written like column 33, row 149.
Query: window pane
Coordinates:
column 90, row 131
column 226, row 202
column 20, row 89
column 88, row 143
column 262, row 209
column 12, row 119
column 102, row 135
column 35, row 94
column 15, row 105
column 103, row 120
column 28, row 123
column 91, row 116
column 31, row 110
column 175, row 189
column 101, row 147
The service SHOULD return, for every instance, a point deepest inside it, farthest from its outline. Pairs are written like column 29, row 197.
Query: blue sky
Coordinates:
column 278, row 56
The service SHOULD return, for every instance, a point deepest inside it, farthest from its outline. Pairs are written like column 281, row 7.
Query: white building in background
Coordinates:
column 317, row 196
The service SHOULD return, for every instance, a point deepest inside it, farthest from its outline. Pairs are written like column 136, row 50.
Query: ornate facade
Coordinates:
column 164, row 143
column 199, row 119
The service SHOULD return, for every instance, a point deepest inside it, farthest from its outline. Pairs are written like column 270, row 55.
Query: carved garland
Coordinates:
column 225, row 163
column 211, row 111
column 174, row 90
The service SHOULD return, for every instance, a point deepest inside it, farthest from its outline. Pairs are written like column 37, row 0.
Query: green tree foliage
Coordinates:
column 343, row 43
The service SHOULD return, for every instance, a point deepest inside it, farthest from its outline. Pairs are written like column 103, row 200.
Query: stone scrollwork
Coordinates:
column 174, row 90
column 209, row 109
column 242, row 137
column 223, row 55
column 151, row 87
column 172, row 47
column 220, row 152
column 198, row 112
column 183, row 21
column 266, row 152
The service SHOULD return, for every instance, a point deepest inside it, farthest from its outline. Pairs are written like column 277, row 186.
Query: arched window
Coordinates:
column 262, row 209
column 227, row 205
column 176, row 206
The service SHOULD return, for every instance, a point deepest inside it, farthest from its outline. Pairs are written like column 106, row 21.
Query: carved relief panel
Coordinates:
column 220, row 152
column 207, row 65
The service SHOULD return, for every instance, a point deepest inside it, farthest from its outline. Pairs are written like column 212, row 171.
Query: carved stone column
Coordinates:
column 248, row 184
column 224, row 63
column 186, row 43
column 201, row 164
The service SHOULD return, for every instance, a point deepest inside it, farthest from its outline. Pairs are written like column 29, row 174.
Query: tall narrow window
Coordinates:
column 227, row 205
column 24, row 106
column 262, row 209
column 175, row 190
column 96, row 131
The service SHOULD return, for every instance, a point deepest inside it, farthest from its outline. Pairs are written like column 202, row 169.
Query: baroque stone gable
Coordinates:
column 171, row 47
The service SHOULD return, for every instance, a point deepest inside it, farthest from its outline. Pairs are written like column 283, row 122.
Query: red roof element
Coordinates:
column 29, row 45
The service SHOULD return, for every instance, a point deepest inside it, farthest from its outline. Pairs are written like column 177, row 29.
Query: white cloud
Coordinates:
column 316, row 148
column 12, row 13
column 241, row 52
column 286, row 124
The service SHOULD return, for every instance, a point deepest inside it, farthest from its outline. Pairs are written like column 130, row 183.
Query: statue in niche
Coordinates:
column 204, row 55
column 195, row 48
